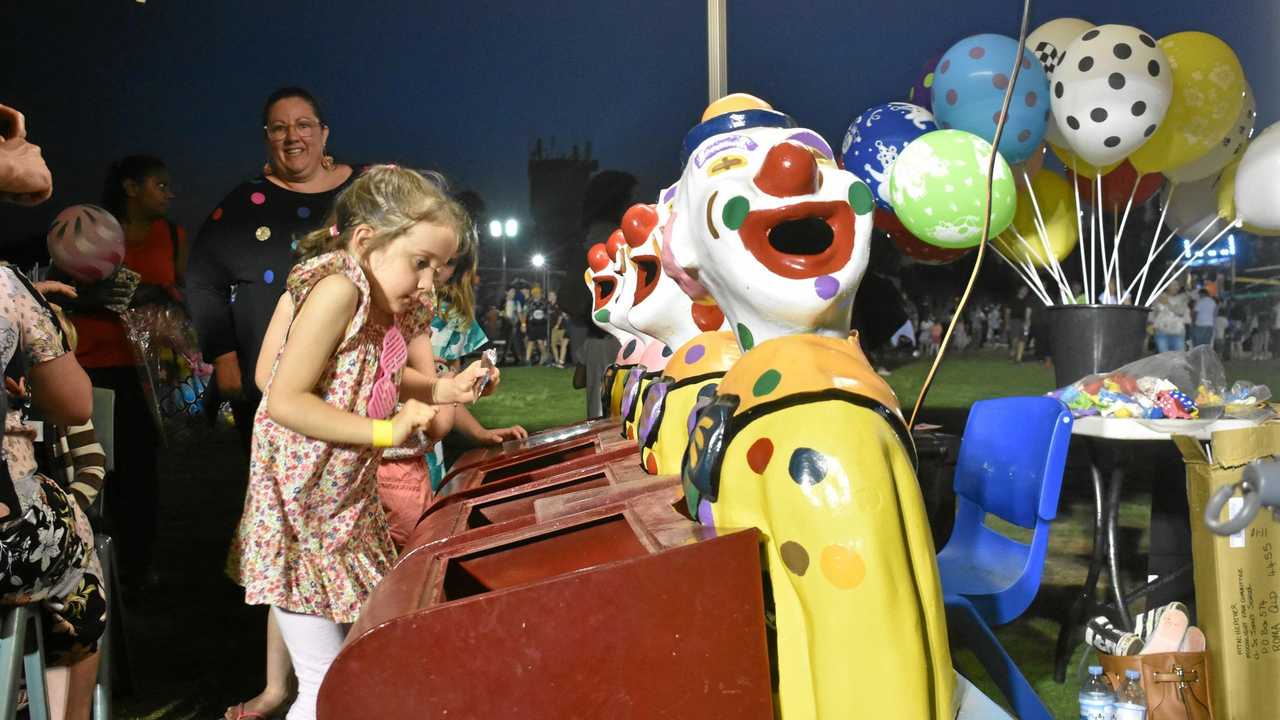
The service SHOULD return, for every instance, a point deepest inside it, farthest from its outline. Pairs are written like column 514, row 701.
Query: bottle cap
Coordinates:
column 1095, row 669
column 1132, row 674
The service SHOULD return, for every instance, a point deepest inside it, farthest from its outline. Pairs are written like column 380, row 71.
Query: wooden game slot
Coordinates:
column 522, row 502
column 604, row 540
column 540, row 461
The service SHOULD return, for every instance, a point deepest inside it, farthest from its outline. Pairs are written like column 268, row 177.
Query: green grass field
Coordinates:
column 544, row 397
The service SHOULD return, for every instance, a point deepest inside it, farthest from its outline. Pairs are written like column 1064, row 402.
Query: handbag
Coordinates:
column 1177, row 684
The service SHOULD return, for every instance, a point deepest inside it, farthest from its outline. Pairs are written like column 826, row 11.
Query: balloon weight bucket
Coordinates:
column 1087, row 339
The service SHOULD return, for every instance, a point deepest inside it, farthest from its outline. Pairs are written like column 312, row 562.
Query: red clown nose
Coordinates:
column 638, row 222
column 615, row 241
column 789, row 170
column 598, row 257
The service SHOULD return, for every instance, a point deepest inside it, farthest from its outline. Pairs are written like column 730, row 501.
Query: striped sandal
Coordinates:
column 1109, row 639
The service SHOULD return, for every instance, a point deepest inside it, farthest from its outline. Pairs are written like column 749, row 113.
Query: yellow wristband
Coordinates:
column 383, row 434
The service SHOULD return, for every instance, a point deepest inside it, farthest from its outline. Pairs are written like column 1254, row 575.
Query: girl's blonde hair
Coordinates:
column 460, row 290
column 391, row 200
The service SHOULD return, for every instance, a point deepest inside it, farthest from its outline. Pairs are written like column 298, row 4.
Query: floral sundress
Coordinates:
column 313, row 537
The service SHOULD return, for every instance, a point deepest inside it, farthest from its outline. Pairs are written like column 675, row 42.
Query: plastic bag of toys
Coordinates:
column 173, row 373
column 1179, row 385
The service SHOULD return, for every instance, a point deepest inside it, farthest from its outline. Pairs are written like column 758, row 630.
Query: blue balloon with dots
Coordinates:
column 969, row 86
column 876, row 138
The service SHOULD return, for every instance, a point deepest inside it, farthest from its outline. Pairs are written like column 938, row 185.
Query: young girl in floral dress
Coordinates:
column 313, row 539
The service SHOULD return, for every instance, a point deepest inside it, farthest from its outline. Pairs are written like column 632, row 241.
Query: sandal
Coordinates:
column 242, row 714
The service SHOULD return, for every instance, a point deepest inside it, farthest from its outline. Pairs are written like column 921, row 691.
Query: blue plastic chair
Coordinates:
column 1012, row 457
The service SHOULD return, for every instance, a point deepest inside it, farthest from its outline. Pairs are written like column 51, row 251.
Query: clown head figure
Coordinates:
column 661, row 308
column 765, row 223
column 606, row 290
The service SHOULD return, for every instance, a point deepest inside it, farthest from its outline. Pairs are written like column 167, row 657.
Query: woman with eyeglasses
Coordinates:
column 245, row 249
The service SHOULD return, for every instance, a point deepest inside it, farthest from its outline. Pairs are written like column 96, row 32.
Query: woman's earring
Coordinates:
column 327, row 162
column 266, row 169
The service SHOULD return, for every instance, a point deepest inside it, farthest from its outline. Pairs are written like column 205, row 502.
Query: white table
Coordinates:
column 1106, row 491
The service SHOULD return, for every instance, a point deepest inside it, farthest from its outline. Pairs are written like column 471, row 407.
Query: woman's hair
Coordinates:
column 136, row 168
column 292, row 92
column 460, row 290
column 390, row 200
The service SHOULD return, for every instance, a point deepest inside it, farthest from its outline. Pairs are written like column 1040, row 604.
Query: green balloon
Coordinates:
column 938, row 188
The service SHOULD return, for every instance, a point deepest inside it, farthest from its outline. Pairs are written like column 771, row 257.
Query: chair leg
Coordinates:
column 33, row 662
column 102, row 690
column 968, row 629
column 12, row 635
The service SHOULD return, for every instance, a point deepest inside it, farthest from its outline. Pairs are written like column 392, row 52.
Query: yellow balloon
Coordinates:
column 1079, row 165
column 1208, row 90
column 1056, row 200
column 1226, row 192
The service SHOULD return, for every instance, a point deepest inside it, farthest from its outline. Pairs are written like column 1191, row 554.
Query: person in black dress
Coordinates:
column 236, row 274
column 245, row 248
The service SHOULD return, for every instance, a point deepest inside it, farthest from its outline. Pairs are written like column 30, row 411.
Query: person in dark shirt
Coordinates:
column 245, row 248
column 1018, row 323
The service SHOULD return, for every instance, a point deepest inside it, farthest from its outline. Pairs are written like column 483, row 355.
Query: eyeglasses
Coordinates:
column 306, row 127
column 386, row 393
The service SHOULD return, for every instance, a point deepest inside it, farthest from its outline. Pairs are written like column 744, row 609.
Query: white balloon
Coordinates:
column 1257, row 192
column 1224, row 152
column 1110, row 91
column 1047, row 43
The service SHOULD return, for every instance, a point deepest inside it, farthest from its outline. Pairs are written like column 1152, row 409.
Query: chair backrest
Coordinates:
column 1010, row 447
column 104, row 425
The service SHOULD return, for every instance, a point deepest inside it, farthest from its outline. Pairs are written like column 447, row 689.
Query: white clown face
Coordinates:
column 661, row 308
column 766, row 224
column 613, row 297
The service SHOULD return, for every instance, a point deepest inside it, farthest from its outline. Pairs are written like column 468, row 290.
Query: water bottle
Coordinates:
column 1097, row 701
column 1131, row 701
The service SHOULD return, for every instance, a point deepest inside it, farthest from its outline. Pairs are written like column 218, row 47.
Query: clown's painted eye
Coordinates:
column 860, row 198
column 735, row 212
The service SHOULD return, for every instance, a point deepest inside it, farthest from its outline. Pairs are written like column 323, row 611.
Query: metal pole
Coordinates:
column 504, row 262
column 717, row 50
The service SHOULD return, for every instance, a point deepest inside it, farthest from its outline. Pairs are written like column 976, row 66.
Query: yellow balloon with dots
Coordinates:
column 1208, row 90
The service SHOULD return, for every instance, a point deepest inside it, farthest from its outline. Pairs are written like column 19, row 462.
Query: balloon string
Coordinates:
column 1192, row 253
column 1084, row 270
column 1042, row 229
column 1102, row 232
column 986, row 219
column 1115, row 256
column 1173, row 264
column 1152, row 251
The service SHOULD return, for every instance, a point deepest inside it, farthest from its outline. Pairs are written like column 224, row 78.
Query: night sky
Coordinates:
column 466, row 87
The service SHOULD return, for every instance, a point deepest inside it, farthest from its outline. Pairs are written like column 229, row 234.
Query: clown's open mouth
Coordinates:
column 647, row 267
column 800, row 241
column 604, row 290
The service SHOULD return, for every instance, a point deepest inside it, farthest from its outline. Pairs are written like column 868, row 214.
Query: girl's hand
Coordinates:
column 413, row 416
column 497, row 436
column 462, row 388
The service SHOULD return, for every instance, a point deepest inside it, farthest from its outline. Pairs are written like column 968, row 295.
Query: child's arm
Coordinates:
column 467, row 424
column 272, row 341
column 460, row 388
column 422, row 358
column 313, row 338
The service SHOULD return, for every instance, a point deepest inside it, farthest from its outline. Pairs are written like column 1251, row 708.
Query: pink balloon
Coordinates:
column 86, row 242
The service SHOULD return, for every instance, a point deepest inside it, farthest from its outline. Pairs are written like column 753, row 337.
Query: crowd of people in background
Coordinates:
column 1186, row 315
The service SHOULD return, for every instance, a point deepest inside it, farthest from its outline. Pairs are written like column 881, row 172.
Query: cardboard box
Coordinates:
column 1237, row 578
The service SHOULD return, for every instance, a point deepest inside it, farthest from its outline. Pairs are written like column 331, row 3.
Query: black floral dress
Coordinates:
column 46, row 543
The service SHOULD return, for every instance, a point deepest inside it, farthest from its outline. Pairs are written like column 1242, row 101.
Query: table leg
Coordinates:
column 1088, row 592
column 1113, row 545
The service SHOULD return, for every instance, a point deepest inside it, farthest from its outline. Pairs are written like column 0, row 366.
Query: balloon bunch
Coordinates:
column 1125, row 113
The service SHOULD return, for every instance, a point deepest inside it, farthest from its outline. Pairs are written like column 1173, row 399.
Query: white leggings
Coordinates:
column 313, row 643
